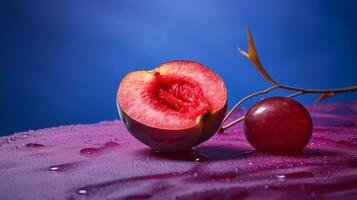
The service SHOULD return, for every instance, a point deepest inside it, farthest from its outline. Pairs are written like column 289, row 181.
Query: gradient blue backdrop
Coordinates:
column 61, row 61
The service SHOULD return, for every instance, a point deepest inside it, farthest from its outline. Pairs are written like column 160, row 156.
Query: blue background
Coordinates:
column 61, row 61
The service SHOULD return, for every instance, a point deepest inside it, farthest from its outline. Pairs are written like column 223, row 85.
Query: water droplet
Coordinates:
column 280, row 177
column 54, row 168
column 111, row 144
column 82, row 191
column 34, row 145
column 195, row 174
column 9, row 140
column 88, row 151
column 88, row 141
column 96, row 150
column 63, row 167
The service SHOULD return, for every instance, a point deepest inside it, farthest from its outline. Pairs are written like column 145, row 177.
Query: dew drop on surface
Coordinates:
column 54, row 168
column 63, row 167
column 88, row 141
column 95, row 150
column 34, row 145
column 82, row 191
column 111, row 144
column 88, row 151
column 9, row 140
column 280, row 177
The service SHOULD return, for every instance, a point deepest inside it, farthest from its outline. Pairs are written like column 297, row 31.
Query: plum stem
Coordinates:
column 252, row 55
column 300, row 91
column 335, row 90
column 232, row 123
column 221, row 128
column 295, row 94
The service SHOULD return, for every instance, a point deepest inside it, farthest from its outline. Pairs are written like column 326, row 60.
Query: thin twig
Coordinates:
column 246, row 98
column 252, row 55
column 336, row 90
column 295, row 94
column 232, row 123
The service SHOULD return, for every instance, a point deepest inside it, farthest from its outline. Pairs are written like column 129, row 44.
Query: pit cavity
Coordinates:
column 176, row 94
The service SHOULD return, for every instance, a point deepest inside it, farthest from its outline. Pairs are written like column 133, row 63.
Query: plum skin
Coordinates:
column 174, row 140
column 278, row 125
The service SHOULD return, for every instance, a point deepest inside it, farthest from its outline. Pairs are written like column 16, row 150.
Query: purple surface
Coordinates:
column 102, row 161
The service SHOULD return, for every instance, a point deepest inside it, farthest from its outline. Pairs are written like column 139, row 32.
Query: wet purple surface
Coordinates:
column 102, row 161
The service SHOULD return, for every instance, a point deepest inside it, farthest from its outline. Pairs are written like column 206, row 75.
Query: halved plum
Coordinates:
column 174, row 107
